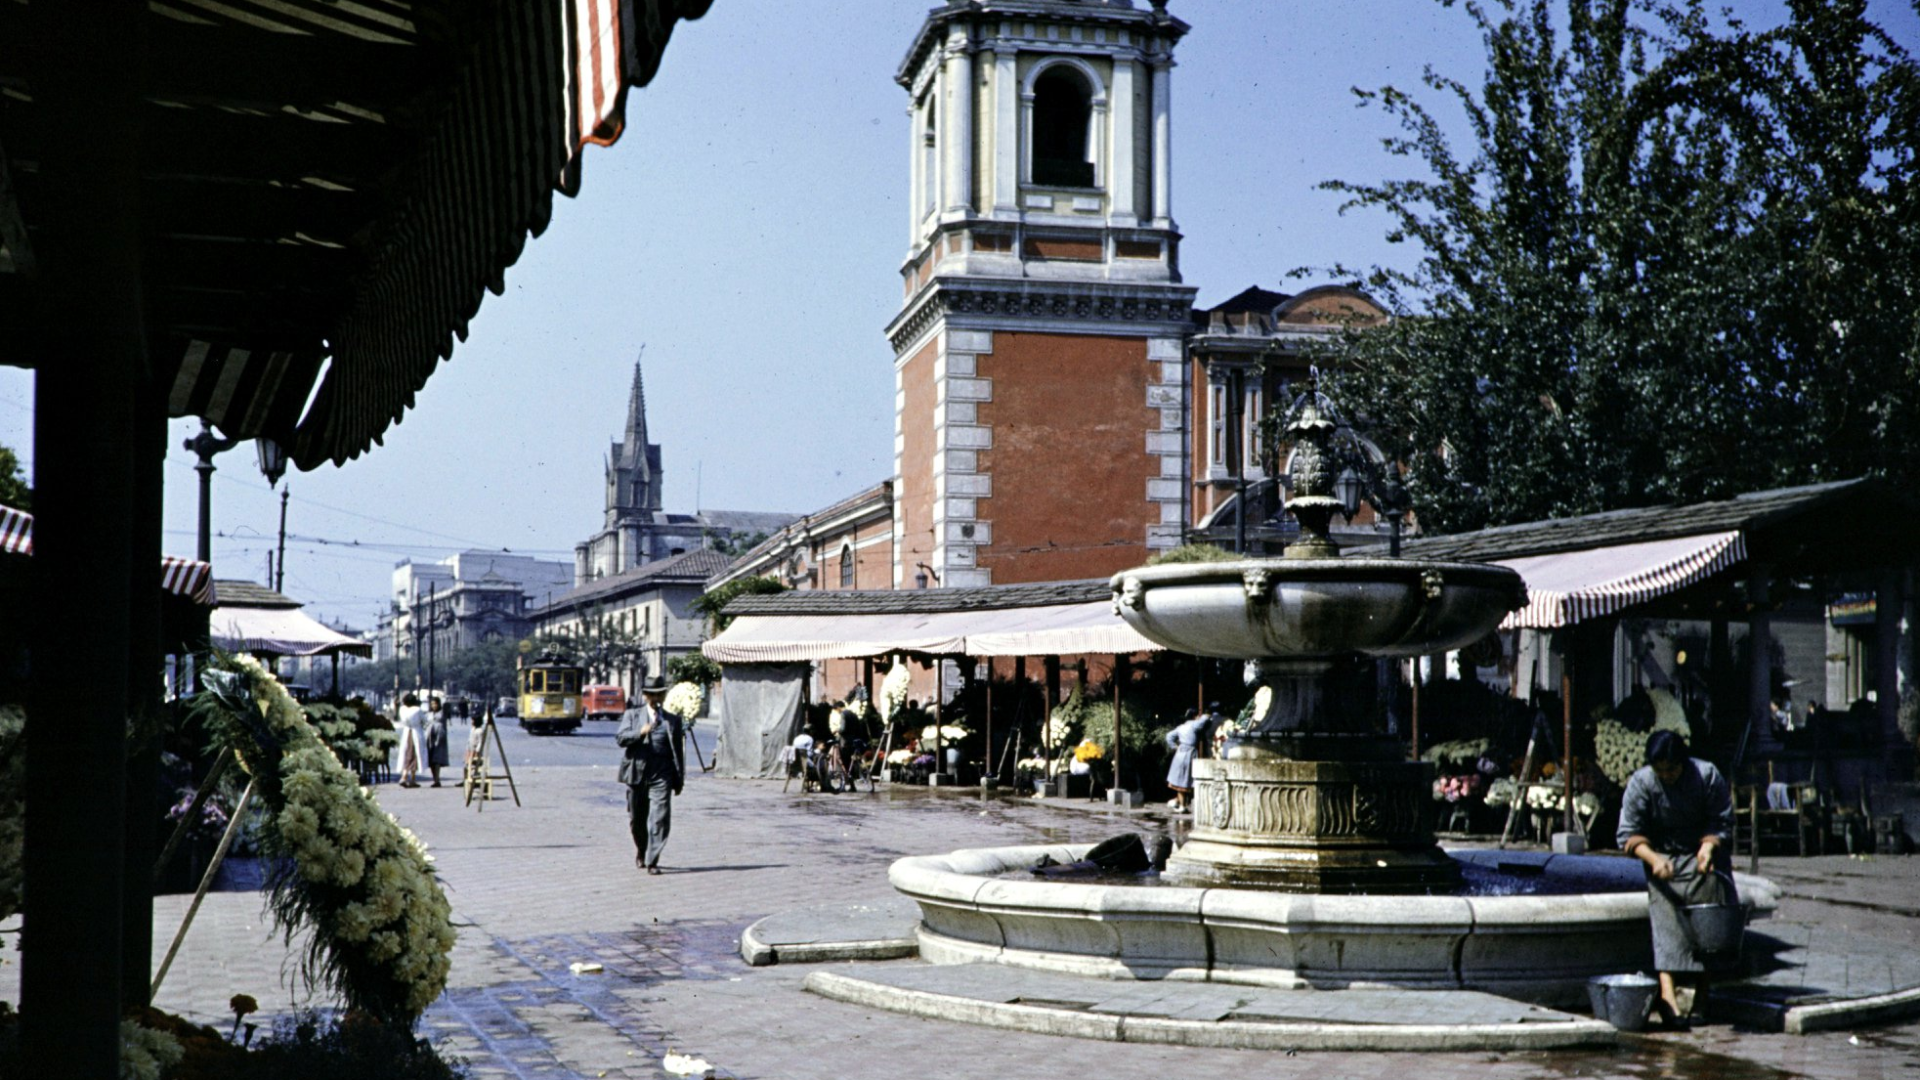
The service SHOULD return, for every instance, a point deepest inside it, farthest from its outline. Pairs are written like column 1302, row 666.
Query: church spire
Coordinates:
column 637, row 414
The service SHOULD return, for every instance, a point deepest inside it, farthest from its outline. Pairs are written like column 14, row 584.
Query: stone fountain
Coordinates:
column 1308, row 798
column 1311, row 862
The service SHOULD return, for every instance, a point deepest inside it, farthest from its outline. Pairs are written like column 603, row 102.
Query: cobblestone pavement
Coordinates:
column 541, row 887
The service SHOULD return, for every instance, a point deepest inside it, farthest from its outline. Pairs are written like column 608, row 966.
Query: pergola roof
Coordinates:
column 328, row 183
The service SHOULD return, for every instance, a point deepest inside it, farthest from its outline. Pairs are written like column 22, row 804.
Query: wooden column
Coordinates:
column 145, row 668
column 84, row 515
column 1046, row 712
column 1759, row 651
column 1888, row 603
column 1120, row 672
column 986, row 768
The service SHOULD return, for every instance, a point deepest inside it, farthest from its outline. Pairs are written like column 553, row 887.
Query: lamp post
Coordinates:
column 205, row 445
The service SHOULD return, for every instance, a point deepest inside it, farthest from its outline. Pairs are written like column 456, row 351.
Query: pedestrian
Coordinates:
column 1675, row 815
column 654, row 768
column 413, row 739
column 1185, row 741
column 436, row 740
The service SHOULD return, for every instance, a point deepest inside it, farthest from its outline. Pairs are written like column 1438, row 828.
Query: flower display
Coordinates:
column 685, row 700
column 13, row 786
column 381, row 925
column 1455, row 788
column 1502, row 791
column 1458, row 752
column 1088, row 750
column 946, row 733
column 1621, row 750
column 1553, row 799
column 146, row 1054
column 893, row 689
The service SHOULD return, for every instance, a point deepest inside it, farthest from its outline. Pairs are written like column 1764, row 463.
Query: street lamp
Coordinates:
column 205, row 445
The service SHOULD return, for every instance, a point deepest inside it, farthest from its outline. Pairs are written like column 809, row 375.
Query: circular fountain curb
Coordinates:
column 878, row 929
column 1216, row 1034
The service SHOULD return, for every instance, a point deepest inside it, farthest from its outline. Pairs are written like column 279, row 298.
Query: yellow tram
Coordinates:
column 549, row 696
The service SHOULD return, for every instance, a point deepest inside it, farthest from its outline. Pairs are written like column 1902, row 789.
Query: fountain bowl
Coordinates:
column 1316, row 607
column 1540, row 948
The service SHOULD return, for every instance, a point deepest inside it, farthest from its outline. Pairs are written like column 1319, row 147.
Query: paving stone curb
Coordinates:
column 759, row 953
column 1222, row 1034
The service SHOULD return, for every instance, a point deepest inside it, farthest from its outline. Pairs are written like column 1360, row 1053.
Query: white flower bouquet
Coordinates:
column 685, row 700
column 893, row 689
column 381, row 926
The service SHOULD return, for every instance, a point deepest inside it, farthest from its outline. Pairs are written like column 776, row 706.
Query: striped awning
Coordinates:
column 16, row 531
column 1053, row 630
column 1571, row 586
column 190, row 578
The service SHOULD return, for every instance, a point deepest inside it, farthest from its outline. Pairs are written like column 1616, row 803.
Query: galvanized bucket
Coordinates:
column 1717, row 928
column 1623, row 1000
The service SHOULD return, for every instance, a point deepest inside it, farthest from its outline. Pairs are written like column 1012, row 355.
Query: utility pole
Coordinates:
column 280, row 559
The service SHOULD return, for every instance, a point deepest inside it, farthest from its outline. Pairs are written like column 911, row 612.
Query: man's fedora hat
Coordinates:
column 655, row 685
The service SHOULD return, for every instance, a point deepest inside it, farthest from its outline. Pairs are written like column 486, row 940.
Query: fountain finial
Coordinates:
column 1310, row 428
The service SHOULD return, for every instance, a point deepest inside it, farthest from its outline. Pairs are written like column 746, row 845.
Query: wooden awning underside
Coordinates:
column 324, row 184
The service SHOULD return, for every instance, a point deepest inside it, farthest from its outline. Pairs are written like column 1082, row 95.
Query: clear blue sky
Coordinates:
column 747, row 229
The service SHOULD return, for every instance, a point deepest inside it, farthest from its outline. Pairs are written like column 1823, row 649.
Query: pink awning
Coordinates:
column 1053, row 630
column 1570, row 586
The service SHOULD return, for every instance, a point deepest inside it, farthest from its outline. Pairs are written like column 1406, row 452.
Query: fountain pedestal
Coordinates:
column 1345, row 826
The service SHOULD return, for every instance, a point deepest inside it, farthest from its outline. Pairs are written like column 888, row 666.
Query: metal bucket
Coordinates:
column 1623, row 1000
column 1717, row 928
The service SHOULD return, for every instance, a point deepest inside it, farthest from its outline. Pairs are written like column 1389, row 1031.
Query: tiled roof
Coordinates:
column 692, row 566
column 1744, row 512
column 920, row 601
column 233, row 593
column 783, row 536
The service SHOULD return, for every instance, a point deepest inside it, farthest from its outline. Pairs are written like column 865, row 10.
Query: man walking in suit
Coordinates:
column 654, row 769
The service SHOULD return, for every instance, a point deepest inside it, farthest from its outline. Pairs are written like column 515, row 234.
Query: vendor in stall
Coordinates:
column 1675, row 816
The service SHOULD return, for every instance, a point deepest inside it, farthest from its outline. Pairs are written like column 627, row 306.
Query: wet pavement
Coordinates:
column 539, row 888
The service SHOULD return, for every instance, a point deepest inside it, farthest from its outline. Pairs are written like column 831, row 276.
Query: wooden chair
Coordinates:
column 1804, row 816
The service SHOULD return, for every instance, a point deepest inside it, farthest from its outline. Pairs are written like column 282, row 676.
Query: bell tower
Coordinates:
column 1038, row 353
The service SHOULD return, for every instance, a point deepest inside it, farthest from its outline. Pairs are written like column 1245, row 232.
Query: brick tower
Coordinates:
column 1038, row 370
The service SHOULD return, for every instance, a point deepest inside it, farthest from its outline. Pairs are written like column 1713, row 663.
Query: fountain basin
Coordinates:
column 1298, row 608
column 1537, row 948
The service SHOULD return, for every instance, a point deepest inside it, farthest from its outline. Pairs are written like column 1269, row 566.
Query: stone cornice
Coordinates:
column 1110, row 306
column 1150, row 24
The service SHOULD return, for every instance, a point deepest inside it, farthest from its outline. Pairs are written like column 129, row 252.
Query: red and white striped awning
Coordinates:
column 1570, row 586
column 190, row 578
column 16, row 531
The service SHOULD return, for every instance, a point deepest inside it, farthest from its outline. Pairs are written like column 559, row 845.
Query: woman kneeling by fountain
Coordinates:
column 1677, row 812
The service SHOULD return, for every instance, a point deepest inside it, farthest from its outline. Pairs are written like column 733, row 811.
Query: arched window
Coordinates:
column 846, row 566
column 1062, row 128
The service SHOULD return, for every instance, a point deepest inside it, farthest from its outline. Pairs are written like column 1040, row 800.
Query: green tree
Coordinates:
column 14, row 490
column 1647, row 272
column 713, row 601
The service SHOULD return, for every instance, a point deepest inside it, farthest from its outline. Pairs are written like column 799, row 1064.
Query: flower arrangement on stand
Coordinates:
column 685, row 700
column 1621, row 750
column 381, row 925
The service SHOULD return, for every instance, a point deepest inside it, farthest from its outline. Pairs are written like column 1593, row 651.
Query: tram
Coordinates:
column 549, row 696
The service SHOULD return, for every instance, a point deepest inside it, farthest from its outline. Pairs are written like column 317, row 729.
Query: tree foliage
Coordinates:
column 713, row 601
column 1678, row 259
column 14, row 489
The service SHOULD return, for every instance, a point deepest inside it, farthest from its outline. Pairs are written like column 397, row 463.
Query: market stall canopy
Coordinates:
column 189, row 578
column 250, row 618
column 322, row 185
column 1571, row 586
column 1597, row 565
column 1054, row 619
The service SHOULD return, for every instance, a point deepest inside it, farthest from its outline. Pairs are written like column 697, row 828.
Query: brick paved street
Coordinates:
column 543, row 886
